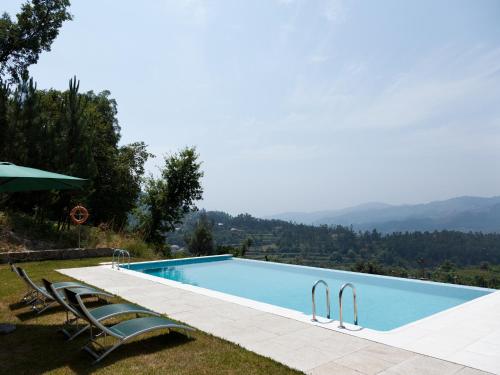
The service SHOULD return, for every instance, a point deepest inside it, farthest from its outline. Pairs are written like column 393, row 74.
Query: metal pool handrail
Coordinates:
column 121, row 253
column 114, row 254
column 314, row 300
column 353, row 288
column 125, row 252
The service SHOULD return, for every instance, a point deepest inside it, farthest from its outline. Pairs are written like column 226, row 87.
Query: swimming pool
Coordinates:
column 384, row 303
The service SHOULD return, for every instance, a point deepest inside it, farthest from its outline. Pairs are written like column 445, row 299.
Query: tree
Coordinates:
column 28, row 128
column 447, row 266
column 247, row 243
column 201, row 242
column 4, row 102
column 36, row 28
column 119, row 169
column 129, row 168
column 78, row 155
column 71, row 133
column 167, row 199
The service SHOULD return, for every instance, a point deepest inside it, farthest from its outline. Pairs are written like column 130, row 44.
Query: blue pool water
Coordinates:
column 384, row 303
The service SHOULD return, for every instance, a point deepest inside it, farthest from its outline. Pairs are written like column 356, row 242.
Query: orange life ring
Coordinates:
column 79, row 215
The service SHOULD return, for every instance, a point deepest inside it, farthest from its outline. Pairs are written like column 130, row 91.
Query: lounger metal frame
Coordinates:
column 42, row 300
column 76, row 301
column 30, row 294
column 70, row 321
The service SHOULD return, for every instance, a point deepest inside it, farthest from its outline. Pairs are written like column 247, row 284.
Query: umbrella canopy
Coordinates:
column 15, row 178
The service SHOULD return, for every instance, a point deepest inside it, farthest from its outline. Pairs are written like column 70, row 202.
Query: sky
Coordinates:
column 299, row 105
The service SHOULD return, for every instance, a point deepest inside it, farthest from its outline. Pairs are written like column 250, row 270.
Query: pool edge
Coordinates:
column 295, row 314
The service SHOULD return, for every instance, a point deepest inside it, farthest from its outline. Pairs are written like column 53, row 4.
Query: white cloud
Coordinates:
column 194, row 12
column 318, row 59
column 436, row 91
column 284, row 152
column 427, row 93
column 334, row 11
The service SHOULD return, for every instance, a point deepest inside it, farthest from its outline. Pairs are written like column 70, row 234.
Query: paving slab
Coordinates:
column 419, row 365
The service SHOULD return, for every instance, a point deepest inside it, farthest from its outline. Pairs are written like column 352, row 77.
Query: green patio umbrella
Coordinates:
column 15, row 178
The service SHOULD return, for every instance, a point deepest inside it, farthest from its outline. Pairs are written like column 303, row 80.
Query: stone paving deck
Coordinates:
column 299, row 345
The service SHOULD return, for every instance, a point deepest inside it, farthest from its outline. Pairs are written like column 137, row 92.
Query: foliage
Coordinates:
column 167, row 199
column 469, row 275
column 21, row 42
column 201, row 241
column 246, row 244
column 4, row 97
column 77, row 134
column 227, row 249
column 20, row 231
column 438, row 255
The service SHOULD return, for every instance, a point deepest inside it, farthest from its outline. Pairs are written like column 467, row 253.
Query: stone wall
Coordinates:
column 57, row 254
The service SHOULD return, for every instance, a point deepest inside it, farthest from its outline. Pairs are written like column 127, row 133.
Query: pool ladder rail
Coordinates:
column 117, row 254
column 355, row 304
column 314, row 299
column 341, row 292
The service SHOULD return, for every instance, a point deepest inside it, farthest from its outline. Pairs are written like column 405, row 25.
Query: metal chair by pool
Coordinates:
column 122, row 331
column 41, row 299
column 13, row 268
column 30, row 293
column 100, row 313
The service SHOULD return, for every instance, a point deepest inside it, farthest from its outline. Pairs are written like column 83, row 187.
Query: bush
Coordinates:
column 138, row 248
column 35, row 235
column 484, row 266
column 104, row 236
column 226, row 249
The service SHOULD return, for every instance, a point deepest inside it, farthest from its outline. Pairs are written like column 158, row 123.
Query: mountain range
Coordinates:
column 462, row 213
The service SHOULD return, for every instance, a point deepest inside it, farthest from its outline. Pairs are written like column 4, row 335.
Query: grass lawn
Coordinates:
column 37, row 346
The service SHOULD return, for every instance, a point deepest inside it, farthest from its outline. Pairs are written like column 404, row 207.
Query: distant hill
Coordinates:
column 342, row 246
column 461, row 214
column 318, row 217
column 471, row 258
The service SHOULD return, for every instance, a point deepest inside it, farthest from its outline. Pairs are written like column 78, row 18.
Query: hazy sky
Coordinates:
column 299, row 105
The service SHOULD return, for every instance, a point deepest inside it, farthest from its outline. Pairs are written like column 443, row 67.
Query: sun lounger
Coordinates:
column 41, row 298
column 30, row 293
column 100, row 313
column 13, row 268
column 122, row 331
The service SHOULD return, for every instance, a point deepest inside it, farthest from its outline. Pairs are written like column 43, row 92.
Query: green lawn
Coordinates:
column 37, row 346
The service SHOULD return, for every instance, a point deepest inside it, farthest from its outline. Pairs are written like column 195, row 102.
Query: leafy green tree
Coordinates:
column 447, row 266
column 119, row 169
column 78, row 153
column 169, row 198
column 127, row 185
column 247, row 243
column 201, row 242
column 29, row 129
column 485, row 266
column 72, row 133
column 4, row 104
column 479, row 280
column 21, row 42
